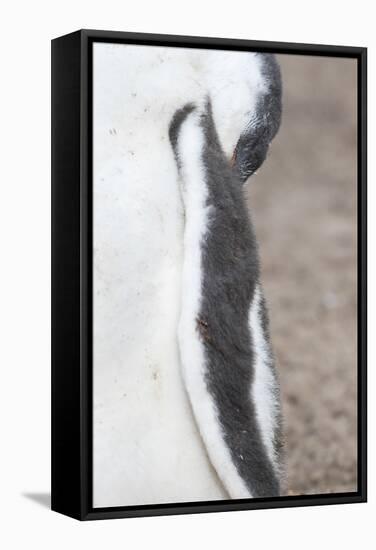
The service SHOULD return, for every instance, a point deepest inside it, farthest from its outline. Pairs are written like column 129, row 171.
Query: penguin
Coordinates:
column 186, row 394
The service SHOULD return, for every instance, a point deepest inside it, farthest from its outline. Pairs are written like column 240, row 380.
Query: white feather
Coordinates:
column 264, row 385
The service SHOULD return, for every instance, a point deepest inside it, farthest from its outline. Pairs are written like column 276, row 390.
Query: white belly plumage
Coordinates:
column 147, row 448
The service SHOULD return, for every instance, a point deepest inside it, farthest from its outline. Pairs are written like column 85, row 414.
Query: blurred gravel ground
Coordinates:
column 303, row 204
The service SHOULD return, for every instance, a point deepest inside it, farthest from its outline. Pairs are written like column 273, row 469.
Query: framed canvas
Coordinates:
column 208, row 274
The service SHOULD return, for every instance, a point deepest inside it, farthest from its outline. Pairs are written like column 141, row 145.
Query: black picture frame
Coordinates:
column 72, row 273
